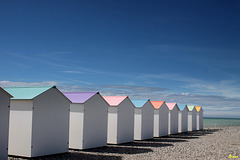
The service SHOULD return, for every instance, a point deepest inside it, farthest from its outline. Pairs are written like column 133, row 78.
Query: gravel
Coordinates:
column 211, row 143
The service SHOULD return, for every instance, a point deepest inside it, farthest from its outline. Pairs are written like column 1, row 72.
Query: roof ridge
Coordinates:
column 52, row 86
column 79, row 92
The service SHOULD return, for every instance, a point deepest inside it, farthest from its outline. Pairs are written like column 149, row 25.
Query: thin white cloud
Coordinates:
column 73, row 72
column 227, row 88
column 23, row 84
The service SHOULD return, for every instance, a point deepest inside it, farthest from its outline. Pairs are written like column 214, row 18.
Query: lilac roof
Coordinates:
column 79, row 97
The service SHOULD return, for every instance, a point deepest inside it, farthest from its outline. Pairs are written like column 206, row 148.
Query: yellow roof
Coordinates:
column 198, row 108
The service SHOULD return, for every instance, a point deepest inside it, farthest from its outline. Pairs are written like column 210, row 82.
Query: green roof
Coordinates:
column 190, row 107
column 27, row 92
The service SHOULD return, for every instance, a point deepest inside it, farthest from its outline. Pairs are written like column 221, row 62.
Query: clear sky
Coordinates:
column 184, row 51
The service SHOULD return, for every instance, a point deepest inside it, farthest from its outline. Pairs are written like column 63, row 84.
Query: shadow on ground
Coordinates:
column 135, row 147
column 192, row 134
column 71, row 156
column 147, row 143
column 166, row 139
column 120, row 149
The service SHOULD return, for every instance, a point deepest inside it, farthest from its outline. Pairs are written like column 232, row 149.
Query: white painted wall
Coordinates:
column 147, row 121
column 173, row 121
column 125, row 122
column 20, row 128
column 4, row 124
column 156, row 123
column 76, row 126
column 194, row 119
column 95, row 122
column 200, row 120
column 138, row 124
column 50, row 126
column 189, row 121
column 163, row 120
column 179, row 121
column 112, row 125
column 197, row 128
column 185, row 120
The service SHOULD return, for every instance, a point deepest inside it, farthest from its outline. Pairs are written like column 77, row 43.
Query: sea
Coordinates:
column 209, row 122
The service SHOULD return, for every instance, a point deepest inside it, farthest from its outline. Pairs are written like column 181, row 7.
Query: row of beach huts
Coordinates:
column 39, row 121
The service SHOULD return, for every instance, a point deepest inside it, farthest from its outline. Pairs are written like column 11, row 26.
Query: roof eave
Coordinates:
column 6, row 92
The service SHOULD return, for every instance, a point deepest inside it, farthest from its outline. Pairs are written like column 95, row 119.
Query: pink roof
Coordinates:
column 171, row 105
column 114, row 100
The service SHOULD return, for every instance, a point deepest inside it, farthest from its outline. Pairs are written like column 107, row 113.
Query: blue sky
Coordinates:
column 178, row 51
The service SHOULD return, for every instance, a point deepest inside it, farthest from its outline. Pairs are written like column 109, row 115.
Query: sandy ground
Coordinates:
column 211, row 143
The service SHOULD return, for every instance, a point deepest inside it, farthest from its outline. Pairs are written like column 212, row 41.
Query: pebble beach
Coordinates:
column 210, row 143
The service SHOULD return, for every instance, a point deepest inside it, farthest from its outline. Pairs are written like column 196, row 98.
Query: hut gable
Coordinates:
column 79, row 97
column 27, row 92
column 172, row 105
column 198, row 108
column 157, row 104
column 182, row 107
column 114, row 101
column 139, row 103
column 190, row 107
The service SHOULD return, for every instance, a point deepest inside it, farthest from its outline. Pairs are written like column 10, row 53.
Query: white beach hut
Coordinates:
column 120, row 119
column 4, row 123
column 199, row 117
column 88, row 120
column 39, row 121
column 160, row 118
column 173, row 118
column 143, row 119
column 192, row 118
column 183, row 118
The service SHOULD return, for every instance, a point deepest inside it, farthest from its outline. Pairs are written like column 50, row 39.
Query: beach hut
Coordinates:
column 160, row 118
column 39, row 121
column 173, row 118
column 143, row 119
column 182, row 118
column 88, row 120
column 192, row 118
column 199, row 117
column 4, row 123
column 120, row 119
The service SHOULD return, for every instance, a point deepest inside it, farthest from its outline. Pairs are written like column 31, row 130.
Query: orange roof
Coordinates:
column 114, row 100
column 157, row 104
column 198, row 108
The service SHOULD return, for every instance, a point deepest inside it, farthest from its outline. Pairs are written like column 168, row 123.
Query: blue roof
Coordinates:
column 139, row 102
column 27, row 92
column 181, row 106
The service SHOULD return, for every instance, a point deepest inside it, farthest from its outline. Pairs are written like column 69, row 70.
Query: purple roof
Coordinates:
column 79, row 97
